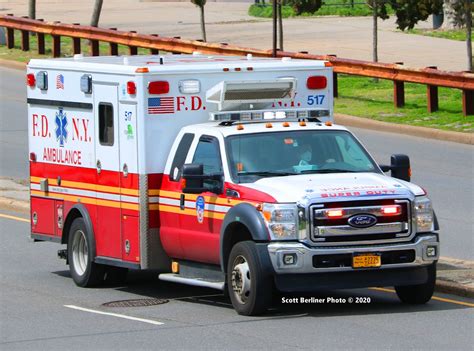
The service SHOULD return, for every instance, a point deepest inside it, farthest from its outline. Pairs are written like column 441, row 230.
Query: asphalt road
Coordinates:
column 41, row 309
column 444, row 169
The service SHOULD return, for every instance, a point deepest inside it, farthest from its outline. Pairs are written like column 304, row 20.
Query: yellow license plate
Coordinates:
column 366, row 261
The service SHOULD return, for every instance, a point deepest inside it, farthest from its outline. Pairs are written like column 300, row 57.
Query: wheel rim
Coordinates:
column 241, row 283
column 80, row 253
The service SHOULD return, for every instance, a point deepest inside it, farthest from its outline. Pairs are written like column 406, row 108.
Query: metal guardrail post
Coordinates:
column 10, row 36
column 334, row 80
column 432, row 95
column 25, row 39
column 132, row 50
column 76, row 43
column 468, row 102
column 154, row 51
column 94, row 47
column 113, row 47
column 399, row 91
column 56, row 45
column 40, row 41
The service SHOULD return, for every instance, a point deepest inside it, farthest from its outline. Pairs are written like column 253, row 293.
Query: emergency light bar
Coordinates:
column 262, row 115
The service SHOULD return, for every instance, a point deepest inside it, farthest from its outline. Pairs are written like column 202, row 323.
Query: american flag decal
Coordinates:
column 161, row 105
column 60, row 81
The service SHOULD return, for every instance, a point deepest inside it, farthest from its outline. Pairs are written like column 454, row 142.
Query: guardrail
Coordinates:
column 396, row 72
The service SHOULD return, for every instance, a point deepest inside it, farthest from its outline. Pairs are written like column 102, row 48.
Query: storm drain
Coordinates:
column 135, row 303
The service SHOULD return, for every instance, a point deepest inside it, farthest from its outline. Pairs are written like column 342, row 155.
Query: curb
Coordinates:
column 424, row 132
column 352, row 121
column 442, row 285
column 13, row 64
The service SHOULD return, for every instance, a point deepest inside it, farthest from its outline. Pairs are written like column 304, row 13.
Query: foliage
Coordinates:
column 410, row 12
column 266, row 11
column 382, row 8
column 199, row 3
column 302, row 6
column 456, row 12
column 452, row 34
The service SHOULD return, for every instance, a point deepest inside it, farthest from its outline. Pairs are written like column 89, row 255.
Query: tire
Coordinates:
column 84, row 271
column 418, row 294
column 249, row 287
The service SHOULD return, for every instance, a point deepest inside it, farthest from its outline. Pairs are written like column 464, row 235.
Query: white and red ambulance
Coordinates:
column 218, row 171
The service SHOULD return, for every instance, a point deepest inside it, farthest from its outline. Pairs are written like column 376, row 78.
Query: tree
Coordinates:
column 309, row 6
column 32, row 9
column 379, row 9
column 410, row 12
column 96, row 13
column 280, row 23
column 468, row 11
column 200, row 4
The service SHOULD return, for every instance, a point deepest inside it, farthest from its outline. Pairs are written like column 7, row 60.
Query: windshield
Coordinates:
column 255, row 156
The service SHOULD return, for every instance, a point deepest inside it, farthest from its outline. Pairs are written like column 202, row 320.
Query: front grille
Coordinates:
column 338, row 230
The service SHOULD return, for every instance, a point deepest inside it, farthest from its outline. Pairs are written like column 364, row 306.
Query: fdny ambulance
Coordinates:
column 222, row 172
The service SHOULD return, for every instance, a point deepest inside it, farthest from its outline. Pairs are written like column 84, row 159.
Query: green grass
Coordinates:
column 17, row 54
column 453, row 34
column 359, row 96
column 329, row 8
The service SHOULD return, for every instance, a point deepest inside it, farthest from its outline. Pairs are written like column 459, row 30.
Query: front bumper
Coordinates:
column 304, row 255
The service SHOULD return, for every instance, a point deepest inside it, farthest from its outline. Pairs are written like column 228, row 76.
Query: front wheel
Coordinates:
column 418, row 294
column 250, row 288
column 84, row 271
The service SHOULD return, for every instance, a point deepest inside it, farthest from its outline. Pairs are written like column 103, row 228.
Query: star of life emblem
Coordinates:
column 61, row 127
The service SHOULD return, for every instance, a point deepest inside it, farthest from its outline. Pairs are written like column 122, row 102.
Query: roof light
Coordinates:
column 190, row 86
column 158, row 87
column 142, row 70
column 30, row 80
column 240, row 127
column 328, row 123
column 286, row 124
column 316, row 82
column 328, row 64
column 392, row 210
column 268, row 125
column 42, row 80
column 334, row 213
column 131, row 88
column 302, row 124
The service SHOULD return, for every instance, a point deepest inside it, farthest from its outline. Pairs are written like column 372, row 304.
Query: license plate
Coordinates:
column 366, row 261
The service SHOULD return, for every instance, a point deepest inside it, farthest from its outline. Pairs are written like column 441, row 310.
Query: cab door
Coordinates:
column 200, row 231
column 108, row 213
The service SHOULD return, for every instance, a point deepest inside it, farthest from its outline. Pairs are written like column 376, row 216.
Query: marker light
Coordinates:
column 32, row 157
column 334, row 213
column 190, row 86
column 30, row 80
column 131, row 88
column 316, row 82
column 392, row 210
column 159, row 87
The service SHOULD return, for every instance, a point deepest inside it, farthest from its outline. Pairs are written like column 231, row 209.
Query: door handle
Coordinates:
column 125, row 170
column 181, row 202
column 99, row 166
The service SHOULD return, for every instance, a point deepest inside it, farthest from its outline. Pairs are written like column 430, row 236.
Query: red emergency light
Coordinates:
column 158, row 87
column 131, row 88
column 30, row 80
column 317, row 82
column 392, row 210
column 334, row 213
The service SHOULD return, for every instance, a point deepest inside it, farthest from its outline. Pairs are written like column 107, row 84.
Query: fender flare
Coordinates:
column 436, row 224
column 87, row 221
column 247, row 215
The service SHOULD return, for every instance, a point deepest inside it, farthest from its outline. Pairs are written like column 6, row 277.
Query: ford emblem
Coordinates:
column 362, row 221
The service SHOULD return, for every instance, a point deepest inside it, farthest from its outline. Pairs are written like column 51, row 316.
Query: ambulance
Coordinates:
column 222, row 172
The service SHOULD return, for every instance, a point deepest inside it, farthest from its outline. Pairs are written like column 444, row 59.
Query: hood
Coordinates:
column 314, row 187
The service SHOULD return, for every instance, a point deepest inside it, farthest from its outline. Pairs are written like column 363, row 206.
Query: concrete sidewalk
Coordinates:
column 454, row 276
column 349, row 37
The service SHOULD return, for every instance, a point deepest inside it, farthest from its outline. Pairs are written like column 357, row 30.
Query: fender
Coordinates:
column 79, row 210
column 248, row 216
column 436, row 224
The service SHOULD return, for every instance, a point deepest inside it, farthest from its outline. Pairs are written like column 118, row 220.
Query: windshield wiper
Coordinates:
column 266, row 173
column 328, row 170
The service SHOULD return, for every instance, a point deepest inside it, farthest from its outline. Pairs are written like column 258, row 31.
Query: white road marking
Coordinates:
column 149, row 321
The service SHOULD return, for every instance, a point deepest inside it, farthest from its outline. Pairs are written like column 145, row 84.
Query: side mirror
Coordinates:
column 400, row 166
column 195, row 180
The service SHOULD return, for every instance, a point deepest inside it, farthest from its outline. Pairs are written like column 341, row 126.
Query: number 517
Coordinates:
column 315, row 99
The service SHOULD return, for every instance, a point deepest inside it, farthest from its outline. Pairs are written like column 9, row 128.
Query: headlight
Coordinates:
column 281, row 221
column 424, row 214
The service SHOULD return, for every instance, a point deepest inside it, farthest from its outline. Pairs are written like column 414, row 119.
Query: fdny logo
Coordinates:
column 362, row 221
column 61, row 127
column 200, row 204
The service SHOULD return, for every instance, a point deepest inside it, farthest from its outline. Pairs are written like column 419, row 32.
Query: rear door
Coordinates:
column 108, row 223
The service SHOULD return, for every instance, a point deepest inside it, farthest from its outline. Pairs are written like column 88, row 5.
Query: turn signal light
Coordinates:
column 317, row 82
column 159, row 87
column 30, row 80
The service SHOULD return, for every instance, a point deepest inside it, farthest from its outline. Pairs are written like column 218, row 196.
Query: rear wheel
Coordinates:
column 84, row 271
column 250, row 288
column 418, row 294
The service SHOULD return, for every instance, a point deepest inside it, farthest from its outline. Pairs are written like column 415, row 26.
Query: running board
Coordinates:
column 176, row 278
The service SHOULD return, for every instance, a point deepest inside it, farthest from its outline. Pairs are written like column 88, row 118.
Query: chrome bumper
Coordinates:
column 304, row 255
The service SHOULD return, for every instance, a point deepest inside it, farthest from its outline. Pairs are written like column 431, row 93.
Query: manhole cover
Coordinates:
column 135, row 303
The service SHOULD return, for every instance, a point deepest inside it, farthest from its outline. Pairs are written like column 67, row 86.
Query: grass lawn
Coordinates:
column 453, row 34
column 329, row 8
column 359, row 96
column 17, row 54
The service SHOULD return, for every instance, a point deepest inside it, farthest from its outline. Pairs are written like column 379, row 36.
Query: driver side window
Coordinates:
column 207, row 153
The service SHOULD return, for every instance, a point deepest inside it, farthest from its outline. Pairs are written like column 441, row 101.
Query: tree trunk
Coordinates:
column 280, row 25
column 96, row 14
column 32, row 9
column 468, row 6
column 375, row 56
column 203, row 23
